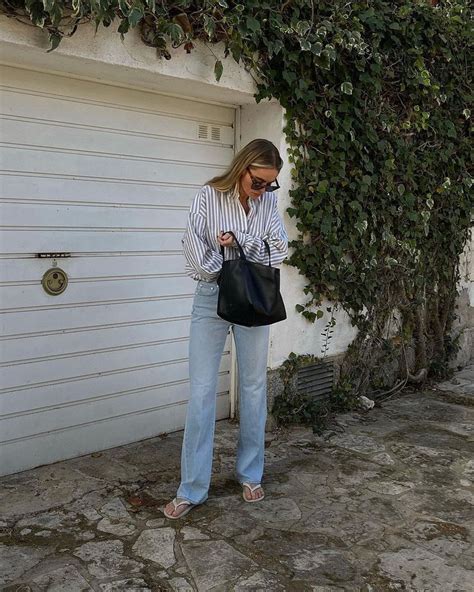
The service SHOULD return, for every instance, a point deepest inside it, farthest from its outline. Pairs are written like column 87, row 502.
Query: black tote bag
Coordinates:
column 249, row 293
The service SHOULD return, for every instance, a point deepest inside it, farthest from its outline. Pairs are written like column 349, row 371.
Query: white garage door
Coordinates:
column 106, row 174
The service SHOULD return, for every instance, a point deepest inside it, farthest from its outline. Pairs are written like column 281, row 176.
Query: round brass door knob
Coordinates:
column 54, row 281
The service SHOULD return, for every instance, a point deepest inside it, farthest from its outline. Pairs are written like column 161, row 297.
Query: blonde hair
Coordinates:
column 258, row 153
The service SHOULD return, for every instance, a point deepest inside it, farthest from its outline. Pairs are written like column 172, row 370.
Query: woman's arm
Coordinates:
column 199, row 256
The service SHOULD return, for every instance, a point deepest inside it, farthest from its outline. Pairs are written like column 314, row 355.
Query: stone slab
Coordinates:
column 214, row 563
column 156, row 545
column 16, row 560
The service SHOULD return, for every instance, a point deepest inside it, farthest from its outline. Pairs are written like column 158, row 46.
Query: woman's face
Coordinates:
column 254, row 181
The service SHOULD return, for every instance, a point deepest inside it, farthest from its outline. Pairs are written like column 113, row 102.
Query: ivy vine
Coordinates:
column 377, row 96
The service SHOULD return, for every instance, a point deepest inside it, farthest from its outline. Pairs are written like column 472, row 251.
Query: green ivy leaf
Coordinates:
column 253, row 24
column 346, row 88
column 123, row 27
column 175, row 32
column 361, row 226
column 36, row 12
column 123, row 6
column 322, row 186
column 54, row 40
column 278, row 46
column 209, row 26
column 135, row 16
column 236, row 51
column 302, row 27
column 218, row 69
column 305, row 45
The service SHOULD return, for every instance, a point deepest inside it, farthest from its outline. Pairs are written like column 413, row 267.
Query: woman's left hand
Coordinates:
column 225, row 239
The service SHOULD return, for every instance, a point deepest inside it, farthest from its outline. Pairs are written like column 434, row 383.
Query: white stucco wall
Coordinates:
column 463, row 326
column 466, row 269
column 104, row 57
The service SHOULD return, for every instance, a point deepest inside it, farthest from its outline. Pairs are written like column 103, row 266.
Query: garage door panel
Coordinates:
column 55, row 319
column 86, row 438
column 95, row 291
column 55, row 111
column 94, row 95
column 99, row 266
column 40, row 134
column 79, row 189
column 158, row 379
column 54, row 240
column 60, row 162
column 85, row 216
column 66, row 344
column 54, row 419
column 95, row 362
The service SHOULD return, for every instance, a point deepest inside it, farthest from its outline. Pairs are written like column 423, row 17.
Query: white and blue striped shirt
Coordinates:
column 212, row 212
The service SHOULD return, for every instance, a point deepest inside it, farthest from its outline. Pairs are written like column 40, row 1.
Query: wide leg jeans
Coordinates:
column 208, row 336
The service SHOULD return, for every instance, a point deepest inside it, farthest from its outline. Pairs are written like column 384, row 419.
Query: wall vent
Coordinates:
column 206, row 132
column 203, row 131
column 316, row 381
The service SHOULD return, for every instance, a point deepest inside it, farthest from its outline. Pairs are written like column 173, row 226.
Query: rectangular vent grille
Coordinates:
column 206, row 132
column 216, row 134
column 316, row 381
column 203, row 132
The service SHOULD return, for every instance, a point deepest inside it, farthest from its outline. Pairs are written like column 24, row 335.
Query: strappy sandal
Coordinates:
column 252, row 488
column 177, row 502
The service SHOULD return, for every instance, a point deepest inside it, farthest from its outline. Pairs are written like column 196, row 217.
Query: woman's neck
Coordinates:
column 245, row 204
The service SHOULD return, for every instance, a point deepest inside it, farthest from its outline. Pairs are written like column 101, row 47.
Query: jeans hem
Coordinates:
column 183, row 497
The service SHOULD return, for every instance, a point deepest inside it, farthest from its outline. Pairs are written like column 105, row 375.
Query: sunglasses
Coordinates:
column 259, row 184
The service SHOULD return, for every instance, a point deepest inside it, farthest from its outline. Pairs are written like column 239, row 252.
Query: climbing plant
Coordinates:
column 377, row 96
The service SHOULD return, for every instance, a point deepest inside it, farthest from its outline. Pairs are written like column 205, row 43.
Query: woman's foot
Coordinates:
column 177, row 508
column 252, row 492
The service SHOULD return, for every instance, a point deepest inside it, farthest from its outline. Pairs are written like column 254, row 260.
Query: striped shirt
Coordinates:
column 212, row 212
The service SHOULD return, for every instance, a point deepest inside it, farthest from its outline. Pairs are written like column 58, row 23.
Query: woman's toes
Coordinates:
column 169, row 508
column 255, row 495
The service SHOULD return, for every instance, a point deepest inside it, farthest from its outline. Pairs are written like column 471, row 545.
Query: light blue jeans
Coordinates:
column 208, row 336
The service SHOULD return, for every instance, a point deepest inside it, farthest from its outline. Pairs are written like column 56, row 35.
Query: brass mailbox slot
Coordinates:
column 54, row 281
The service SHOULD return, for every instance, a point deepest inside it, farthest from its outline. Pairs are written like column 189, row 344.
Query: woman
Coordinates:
column 241, row 200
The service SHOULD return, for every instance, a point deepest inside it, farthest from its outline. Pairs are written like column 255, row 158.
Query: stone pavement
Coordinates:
column 460, row 388
column 382, row 502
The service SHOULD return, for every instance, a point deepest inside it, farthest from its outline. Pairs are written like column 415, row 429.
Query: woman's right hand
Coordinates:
column 225, row 239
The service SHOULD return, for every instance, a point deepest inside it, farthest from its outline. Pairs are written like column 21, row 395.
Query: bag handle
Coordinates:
column 242, row 254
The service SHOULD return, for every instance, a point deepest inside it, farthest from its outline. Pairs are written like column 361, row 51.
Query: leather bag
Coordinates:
column 249, row 293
